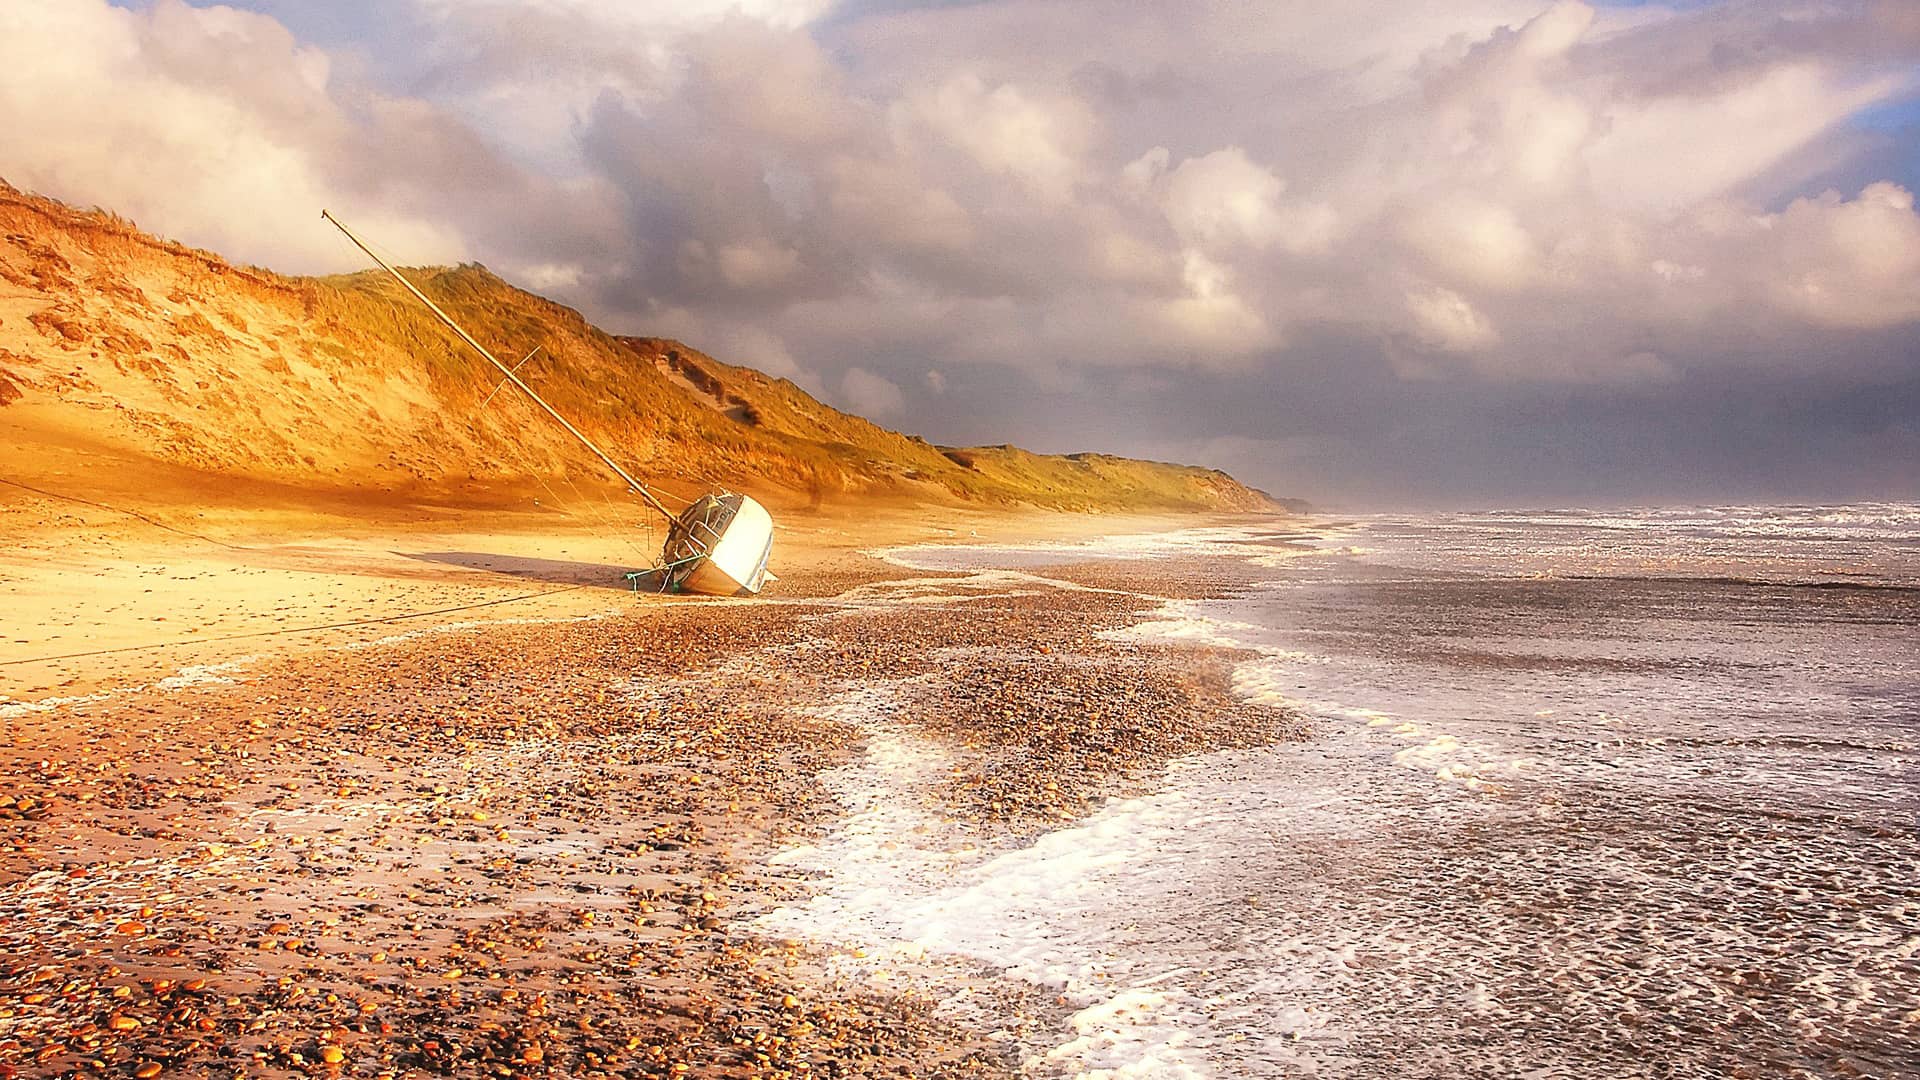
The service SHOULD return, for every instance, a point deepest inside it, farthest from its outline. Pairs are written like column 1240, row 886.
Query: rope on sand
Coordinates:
column 290, row 629
column 155, row 522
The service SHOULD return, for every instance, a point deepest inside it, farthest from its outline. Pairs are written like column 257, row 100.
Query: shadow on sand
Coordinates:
column 555, row 571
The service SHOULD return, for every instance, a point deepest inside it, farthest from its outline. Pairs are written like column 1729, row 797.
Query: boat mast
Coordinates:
column 636, row 486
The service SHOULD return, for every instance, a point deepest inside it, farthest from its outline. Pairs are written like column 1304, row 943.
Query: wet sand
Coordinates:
column 537, row 847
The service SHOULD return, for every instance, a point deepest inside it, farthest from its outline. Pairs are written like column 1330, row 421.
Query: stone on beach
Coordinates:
column 531, row 848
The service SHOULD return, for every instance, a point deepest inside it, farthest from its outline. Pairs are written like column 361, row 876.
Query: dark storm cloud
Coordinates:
column 1359, row 250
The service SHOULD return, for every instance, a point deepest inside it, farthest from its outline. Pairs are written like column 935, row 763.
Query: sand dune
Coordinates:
column 122, row 352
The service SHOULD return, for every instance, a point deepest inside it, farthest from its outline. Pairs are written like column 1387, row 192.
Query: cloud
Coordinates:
column 1445, row 320
column 215, row 126
column 870, row 395
column 1005, row 130
column 1671, row 151
column 1497, row 197
column 1473, row 242
column 736, row 343
column 211, row 125
column 1223, row 199
column 1847, row 262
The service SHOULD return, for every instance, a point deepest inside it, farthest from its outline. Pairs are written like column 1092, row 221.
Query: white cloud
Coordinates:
column 212, row 126
column 760, row 349
column 1213, row 315
column 1847, row 262
column 1444, row 319
column 870, row 395
column 1473, row 183
column 1473, row 243
column 1007, row 130
column 757, row 263
column 1662, row 153
column 1224, row 198
column 646, row 18
column 1142, row 171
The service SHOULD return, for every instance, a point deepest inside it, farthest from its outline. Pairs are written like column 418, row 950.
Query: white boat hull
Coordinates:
column 720, row 546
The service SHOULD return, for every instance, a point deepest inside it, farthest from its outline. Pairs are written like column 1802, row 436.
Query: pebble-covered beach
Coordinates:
column 538, row 849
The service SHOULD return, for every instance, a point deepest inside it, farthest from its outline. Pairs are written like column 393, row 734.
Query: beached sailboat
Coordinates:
column 718, row 545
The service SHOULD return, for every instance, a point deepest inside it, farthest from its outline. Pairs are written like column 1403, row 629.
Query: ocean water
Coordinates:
column 1589, row 794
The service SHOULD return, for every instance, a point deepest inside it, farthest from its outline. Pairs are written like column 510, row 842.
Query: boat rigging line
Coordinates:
column 516, row 367
column 637, row 487
column 150, row 646
column 718, row 545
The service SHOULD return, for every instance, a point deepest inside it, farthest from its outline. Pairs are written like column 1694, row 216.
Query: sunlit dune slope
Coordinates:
column 123, row 355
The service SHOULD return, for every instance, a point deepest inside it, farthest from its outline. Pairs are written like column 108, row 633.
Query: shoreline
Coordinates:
column 542, row 846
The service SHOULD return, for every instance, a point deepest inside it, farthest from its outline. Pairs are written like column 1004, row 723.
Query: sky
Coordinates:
column 1364, row 252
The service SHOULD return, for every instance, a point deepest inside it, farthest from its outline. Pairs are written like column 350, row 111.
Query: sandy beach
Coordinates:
column 406, row 798
column 1220, row 541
